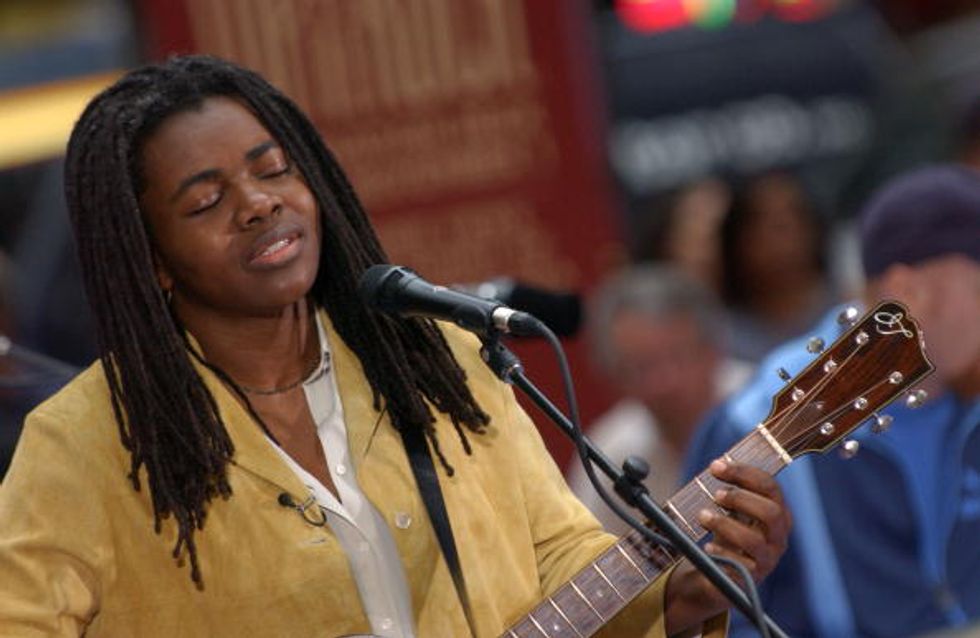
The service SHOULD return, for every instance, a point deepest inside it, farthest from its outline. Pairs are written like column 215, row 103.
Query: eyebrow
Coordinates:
column 257, row 152
column 212, row 173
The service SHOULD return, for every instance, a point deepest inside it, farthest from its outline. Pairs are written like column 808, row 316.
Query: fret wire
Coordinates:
column 700, row 484
column 634, row 551
column 617, row 568
column 632, row 562
column 564, row 617
column 671, row 558
column 754, row 450
column 648, row 552
column 677, row 513
column 605, row 578
column 537, row 625
column 587, row 601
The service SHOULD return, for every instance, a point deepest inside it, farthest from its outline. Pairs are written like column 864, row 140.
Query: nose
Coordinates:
column 256, row 204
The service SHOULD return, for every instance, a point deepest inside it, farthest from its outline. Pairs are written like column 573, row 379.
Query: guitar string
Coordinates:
column 806, row 439
column 782, row 423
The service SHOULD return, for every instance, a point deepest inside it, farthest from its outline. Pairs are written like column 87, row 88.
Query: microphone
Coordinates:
column 560, row 310
column 399, row 291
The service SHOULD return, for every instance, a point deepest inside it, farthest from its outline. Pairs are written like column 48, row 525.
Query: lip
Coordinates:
column 266, row 253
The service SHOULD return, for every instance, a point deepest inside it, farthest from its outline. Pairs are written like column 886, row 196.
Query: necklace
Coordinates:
column 292, row 384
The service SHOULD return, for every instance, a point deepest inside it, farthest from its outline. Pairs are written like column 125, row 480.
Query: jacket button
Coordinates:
column 402, row 520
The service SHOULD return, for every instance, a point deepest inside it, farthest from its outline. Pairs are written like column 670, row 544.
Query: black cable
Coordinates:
column 748, row 586
column 583, row 452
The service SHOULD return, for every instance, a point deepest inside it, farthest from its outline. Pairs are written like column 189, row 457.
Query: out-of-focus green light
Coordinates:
column 711, row 14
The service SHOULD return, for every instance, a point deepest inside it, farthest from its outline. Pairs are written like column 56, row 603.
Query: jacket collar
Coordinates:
column 254, row 452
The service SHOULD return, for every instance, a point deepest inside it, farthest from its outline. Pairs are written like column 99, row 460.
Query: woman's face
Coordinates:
column 235, row 227
column 777, row 240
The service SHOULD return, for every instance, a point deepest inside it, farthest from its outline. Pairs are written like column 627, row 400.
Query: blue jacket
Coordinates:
column 885, row 544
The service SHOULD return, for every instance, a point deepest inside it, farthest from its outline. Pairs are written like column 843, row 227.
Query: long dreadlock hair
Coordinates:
column 167, row 419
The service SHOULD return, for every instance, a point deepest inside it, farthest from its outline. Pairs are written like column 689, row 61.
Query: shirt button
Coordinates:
column 403, row 520
column 386, row 623
column 341, row 469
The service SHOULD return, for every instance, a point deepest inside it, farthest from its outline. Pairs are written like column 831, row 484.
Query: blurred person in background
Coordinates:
column 774, row 278
column 236, row 460
column 26, row 378
column 683, row 228
column 886, row 544
column 659, row 336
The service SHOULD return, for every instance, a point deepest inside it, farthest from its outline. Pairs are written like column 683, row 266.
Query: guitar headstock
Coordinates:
column 868, row 367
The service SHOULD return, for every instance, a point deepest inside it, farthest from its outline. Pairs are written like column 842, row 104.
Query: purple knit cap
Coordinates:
column 922, row 214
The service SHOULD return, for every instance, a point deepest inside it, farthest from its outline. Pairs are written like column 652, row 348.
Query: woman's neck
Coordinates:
column 259, row 352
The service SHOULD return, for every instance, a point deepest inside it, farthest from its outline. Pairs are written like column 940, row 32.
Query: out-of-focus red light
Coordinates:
column 651, row 16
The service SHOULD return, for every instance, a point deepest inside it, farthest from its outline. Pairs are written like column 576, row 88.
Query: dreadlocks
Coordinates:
column 167, row 418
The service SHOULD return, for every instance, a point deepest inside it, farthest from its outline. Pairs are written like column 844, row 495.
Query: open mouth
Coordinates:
column 275, row 248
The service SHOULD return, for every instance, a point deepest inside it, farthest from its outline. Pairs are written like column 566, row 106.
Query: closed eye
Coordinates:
column 205, row 204
column 278, row 171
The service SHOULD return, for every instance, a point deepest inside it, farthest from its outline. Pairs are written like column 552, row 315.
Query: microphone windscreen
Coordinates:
column 371, row 282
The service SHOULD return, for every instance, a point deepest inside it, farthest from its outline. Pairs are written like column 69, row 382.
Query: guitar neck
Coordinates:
column 599, row 591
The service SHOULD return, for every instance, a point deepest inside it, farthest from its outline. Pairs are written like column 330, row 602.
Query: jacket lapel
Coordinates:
column 253, row 452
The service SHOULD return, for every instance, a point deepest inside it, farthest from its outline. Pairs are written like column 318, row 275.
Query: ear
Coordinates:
column 164, row 279
column 908, row 285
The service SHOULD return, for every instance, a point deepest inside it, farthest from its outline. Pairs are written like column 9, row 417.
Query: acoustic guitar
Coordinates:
column 880, row 356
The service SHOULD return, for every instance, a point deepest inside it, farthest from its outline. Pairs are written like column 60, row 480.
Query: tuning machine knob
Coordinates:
column 815, row 345
column 916, row 398
column 783, row 374
column 848, row 316
column 849, row 449
column 881, row 423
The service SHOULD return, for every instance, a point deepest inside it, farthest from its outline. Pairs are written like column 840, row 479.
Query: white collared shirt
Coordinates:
column 359, row 527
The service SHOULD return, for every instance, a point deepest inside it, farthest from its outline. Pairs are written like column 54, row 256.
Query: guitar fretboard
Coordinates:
column 597, row 593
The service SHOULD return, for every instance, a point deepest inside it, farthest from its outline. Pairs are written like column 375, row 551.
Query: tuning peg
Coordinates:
column 848, row 316
column 815, row 345
column 783, row 374
column 916, row 398
column 849, row 449
column 882, row 423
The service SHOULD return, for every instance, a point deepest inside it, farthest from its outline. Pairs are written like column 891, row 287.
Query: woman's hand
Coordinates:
column 755, row 537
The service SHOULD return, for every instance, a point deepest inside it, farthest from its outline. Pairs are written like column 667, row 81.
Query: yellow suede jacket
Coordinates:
column 78, row 553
